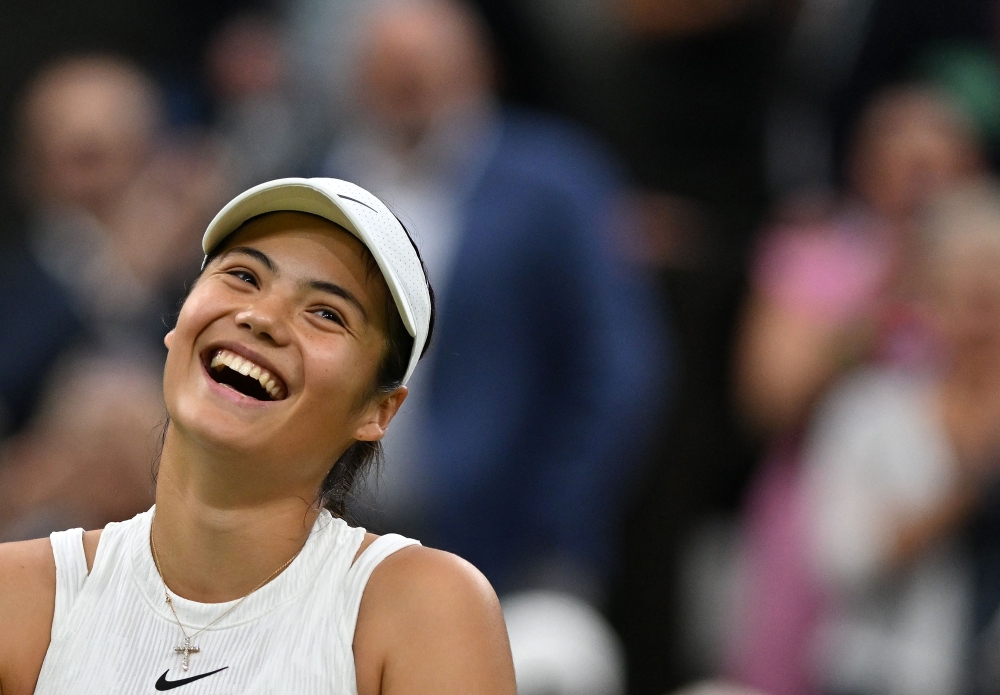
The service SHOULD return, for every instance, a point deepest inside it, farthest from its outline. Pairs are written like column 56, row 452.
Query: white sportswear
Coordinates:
column 113, row 633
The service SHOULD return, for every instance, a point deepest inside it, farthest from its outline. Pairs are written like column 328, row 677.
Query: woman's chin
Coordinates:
column 225, row 427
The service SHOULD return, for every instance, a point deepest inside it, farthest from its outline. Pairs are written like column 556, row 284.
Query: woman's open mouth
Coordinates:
column 243, row 376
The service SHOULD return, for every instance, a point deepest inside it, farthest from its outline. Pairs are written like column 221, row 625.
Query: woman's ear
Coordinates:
column 379, row 415
column 169, row 338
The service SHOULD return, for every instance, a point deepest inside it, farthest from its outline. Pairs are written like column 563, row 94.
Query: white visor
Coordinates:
column 360, row 213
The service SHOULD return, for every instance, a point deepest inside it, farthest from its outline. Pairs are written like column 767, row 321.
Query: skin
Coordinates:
column 423, row 61
column 237, row 477
column 786, row 361
column 88, row 126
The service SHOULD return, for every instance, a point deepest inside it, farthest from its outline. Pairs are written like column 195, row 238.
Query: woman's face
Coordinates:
column 276, row 347
column 910, row 151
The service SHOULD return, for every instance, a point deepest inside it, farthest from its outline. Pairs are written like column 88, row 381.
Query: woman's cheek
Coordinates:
column 197, row 310
column 334, row 377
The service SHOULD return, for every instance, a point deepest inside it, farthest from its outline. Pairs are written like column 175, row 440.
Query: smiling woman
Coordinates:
column 289, row 359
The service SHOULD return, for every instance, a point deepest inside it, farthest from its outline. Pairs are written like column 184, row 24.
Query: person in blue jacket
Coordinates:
column 550, row 357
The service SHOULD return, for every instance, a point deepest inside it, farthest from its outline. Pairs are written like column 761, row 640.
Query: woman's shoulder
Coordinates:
column 27, row 580
column 430, row 616
column 425, row 574
column 416, row 578
column 25, row 566
column 27, row 602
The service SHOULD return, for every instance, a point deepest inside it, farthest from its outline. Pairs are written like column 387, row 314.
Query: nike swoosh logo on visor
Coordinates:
column 355, row 200
column 163, row 684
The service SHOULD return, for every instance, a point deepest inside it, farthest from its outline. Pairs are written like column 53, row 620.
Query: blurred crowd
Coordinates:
column 714, row 394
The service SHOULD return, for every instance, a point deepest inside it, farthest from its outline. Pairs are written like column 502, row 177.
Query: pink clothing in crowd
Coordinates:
column 840, row 273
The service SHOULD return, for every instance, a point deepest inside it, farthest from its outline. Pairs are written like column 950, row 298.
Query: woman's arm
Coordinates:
column 784, row 361
column 430, row 624
column 27, row 602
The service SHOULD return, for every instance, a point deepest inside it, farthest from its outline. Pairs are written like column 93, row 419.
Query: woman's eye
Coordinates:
column 330, row 315
column 244, row 275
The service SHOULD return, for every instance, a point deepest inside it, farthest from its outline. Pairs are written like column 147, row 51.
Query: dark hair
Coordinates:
column 361, row 456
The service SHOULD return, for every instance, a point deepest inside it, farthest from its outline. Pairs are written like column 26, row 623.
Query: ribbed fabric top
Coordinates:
column 112, row 631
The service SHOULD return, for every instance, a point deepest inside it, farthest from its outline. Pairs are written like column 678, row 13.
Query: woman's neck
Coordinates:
column 216, row 540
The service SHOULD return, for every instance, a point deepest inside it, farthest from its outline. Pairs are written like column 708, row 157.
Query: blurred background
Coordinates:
column 714, row 397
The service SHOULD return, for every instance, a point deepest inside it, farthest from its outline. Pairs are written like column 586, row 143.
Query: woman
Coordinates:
column 826, row 296
column 291, row 351
column 898, row 463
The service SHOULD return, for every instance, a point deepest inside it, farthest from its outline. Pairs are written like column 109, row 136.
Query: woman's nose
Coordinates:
column 266, row 320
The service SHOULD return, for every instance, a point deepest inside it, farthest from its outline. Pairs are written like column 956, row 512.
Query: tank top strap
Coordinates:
column 71, row 572
column 361, row 571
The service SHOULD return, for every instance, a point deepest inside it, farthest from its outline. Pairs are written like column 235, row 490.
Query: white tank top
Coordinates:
column 113, row 632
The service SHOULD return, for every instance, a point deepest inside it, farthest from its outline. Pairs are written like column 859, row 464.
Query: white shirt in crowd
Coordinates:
column 878, row 455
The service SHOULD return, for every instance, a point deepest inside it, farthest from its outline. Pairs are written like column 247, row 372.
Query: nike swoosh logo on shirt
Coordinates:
column 163, row 684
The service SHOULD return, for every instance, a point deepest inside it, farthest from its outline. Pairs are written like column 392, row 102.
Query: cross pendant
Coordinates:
column 187, row 650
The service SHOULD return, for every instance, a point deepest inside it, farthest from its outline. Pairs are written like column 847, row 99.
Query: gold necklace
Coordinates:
column 186, row 648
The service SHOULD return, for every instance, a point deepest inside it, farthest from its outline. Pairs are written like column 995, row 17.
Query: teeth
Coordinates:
column 271, row 387
column 225, row 358
column 266, row 381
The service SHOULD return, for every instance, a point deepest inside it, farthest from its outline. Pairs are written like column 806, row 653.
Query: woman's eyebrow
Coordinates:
column 260, row 256
column 337, row 291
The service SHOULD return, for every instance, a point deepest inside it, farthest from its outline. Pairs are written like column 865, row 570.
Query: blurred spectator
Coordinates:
column 899, row 37
column 823, row 286
column 547, row 363
column 85, row 459
column 895, row 463
column 247, row 74
column 829, row 293
column 87, row 128
column 114, row 214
